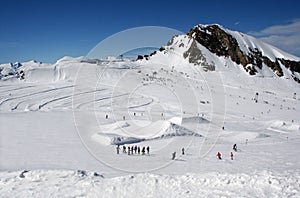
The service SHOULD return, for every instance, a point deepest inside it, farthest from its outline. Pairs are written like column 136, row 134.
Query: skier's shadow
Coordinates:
column 181, row 160
column 151, row 155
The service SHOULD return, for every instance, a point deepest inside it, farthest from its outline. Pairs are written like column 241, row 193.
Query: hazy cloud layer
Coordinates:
column 285, row 37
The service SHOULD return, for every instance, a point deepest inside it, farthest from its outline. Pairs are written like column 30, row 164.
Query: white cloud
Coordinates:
column 236, row 23
column 285, row 37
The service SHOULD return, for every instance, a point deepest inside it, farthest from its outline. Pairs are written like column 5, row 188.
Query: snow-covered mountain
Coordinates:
column 203, row 91
column 256, row 57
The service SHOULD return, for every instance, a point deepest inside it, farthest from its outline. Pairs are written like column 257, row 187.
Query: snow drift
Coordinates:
column 41, row 183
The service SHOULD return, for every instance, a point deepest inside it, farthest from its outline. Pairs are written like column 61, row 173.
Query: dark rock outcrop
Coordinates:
column 196, row 57
column 219, row 42
column 293, row 66
column 139, row 57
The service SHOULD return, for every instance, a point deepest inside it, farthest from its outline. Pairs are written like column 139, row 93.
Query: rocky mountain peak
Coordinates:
column 220, row 42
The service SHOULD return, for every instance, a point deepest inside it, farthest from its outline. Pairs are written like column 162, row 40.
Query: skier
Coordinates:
column 139, row 150
column 128, row 150
column 182, row 150
column 234, row 147
column 219, row 155
column 135, row 149
column 231, row 155
column 148, row 150
column 124, row 149
column 143, row 150
column 132, row 150
column 118, row 149
column 173, row 155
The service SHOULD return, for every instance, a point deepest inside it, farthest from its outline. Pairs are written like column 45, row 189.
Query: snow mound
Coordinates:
column 64, row 183
column 129, row 132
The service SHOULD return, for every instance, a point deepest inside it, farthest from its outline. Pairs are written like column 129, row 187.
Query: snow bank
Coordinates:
column 283, row 126
column 64, row 183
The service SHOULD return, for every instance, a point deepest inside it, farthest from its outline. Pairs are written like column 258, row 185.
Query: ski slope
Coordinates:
column 63, row 122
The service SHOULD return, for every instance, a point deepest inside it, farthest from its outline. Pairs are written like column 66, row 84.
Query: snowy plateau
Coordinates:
column 61, row 123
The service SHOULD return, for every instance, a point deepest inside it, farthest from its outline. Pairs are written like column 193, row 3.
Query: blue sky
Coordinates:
column 48, row 30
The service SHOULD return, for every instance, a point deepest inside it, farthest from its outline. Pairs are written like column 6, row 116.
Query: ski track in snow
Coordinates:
column 142, row 105
column 34, row 94
column 70, row 96
column 99, row 99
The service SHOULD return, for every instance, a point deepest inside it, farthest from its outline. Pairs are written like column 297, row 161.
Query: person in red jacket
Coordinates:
column 231, row 155
column 219, row 155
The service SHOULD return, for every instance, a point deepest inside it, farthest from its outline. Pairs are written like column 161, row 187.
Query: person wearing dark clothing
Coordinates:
column 135, row 149
column 118, row 149
column 234, row 147
column 148, row 150
column 139, row 150
column 173, row 156
column 219, row 155
column 132, row 150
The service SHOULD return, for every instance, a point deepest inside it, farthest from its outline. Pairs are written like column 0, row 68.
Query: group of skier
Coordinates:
column 174, row 153
column 131, row 150
column 234, row 147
